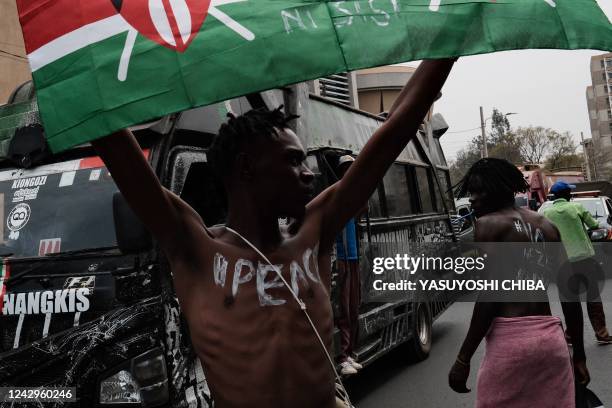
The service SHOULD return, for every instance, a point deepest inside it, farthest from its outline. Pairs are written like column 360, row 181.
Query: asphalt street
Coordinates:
column 392, row 382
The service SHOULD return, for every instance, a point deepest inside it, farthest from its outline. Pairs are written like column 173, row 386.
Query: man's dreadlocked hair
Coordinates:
column 240, row 131
column 499, row 178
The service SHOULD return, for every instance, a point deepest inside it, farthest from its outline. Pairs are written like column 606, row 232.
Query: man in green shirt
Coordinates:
column 570, row 218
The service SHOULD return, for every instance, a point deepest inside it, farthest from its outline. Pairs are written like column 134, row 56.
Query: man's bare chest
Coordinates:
column 298, row 270
column 243, row 296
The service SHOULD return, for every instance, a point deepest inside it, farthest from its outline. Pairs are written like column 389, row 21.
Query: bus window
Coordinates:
column 375, row 209
column 397, row 195
column 414, row 190
column 424, row 186
column 444, row 177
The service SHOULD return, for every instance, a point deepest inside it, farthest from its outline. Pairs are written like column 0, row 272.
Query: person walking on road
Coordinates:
column 527, row 361
column 570, row 218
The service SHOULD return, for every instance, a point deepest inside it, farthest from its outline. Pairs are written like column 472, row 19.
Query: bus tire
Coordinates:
column 419, row 345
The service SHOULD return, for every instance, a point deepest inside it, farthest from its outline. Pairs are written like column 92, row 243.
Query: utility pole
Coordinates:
column 586, row 157
column 484, row 152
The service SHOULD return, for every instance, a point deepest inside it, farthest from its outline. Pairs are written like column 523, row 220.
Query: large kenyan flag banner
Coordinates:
column 101, row 65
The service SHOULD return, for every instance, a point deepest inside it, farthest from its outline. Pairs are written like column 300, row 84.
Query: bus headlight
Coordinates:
column 143, row 380
column 120, row 388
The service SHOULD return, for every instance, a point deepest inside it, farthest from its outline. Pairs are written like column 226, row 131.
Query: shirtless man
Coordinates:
column 527, row 363
column 256, row 346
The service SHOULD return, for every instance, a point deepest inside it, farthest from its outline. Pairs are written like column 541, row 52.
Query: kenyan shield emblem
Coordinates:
column 171, row 23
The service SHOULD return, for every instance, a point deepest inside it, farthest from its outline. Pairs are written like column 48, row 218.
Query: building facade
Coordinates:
column 371, row 90
column 378, row 88
column 14, row 69
column 599, row 101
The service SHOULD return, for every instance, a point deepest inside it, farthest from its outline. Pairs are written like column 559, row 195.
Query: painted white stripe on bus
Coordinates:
column 40, row 171
column 18, row 331
column 47, row 324
column 67, row 179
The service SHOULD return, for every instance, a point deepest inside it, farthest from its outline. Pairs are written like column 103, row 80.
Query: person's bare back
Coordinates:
column 514, row 225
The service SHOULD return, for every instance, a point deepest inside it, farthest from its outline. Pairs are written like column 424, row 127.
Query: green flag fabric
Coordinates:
column 102, row 65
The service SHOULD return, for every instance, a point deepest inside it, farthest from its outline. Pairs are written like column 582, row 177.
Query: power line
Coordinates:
column 13, row 55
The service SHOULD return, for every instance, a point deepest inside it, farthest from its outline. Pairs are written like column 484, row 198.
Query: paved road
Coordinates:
column 392, row 383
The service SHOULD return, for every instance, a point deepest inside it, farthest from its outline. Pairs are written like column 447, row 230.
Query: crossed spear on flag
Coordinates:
column 178, row 32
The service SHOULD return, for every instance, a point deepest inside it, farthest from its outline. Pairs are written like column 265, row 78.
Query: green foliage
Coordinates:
column 562, row 151
column 500, row 127
column 465, row 159
column 533, row 144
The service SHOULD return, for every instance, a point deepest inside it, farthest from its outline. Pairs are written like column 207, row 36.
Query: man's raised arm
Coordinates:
column 360, row 181
column 140, row 186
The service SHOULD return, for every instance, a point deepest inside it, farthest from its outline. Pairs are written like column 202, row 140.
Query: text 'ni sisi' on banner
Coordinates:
column 102, row 65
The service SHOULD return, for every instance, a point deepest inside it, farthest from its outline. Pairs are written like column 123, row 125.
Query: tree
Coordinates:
column 500, row 126
column 562, row 150
column 508, row 147
column 534, row 143
column 600, row 158
column 465, row 159
column 501, row 143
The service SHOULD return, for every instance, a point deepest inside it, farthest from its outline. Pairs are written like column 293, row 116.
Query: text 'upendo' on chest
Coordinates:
column 304, row 270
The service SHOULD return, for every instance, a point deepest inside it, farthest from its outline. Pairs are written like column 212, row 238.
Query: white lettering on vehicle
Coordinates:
column 49, row 301
column 25, row 194
column 29, row 182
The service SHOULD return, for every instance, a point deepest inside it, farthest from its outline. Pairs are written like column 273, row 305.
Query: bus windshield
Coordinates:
column 55, row 208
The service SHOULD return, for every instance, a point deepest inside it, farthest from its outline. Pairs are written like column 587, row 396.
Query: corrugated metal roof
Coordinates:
column 13, row 117
column 329, row 125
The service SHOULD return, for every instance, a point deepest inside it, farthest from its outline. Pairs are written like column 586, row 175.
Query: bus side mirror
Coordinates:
column 132, row 236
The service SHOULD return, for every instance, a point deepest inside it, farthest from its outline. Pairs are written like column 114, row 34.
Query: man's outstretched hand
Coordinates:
column 457, row 377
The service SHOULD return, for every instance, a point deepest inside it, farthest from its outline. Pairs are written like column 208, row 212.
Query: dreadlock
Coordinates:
column 499, row 178
column 241, row 131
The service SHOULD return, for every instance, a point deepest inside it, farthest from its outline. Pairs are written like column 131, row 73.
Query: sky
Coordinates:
column 544, row 87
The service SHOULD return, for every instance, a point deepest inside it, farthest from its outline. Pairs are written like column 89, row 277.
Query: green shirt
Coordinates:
column 570, row 219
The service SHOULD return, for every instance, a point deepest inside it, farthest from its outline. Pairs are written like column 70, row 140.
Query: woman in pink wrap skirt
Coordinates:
column 527, row 362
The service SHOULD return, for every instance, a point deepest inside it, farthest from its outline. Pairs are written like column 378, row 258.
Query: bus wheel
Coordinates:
column 420, row 344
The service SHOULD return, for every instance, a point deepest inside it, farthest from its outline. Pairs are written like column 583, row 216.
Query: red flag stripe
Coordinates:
column 58, row 17
column 95, row 162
